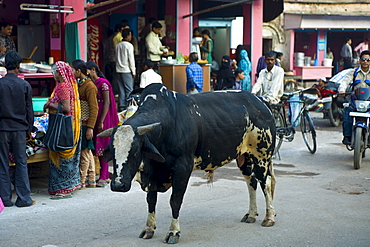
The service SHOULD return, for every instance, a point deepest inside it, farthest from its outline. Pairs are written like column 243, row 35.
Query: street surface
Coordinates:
column 320, row 200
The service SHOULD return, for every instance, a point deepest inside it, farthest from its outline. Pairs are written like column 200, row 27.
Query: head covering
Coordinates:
column 246, row 66
column 68, row 77
column 225, row 64
column 225, row 76
column 323, row 79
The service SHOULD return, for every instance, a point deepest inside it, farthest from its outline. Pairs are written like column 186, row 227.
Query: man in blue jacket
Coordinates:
column 16, row 123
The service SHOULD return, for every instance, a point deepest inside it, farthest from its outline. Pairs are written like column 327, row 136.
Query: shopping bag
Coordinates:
column 131, row 109
column 1, row 205
column 59, row 136
column 295, row 106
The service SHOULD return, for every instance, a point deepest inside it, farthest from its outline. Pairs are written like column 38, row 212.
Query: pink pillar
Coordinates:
column 256, row 18
column 183, row 32
column 321, row 53
column 79, row 13
column 291, row 59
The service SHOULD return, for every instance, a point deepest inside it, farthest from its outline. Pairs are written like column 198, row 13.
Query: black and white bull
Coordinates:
column 172, row 134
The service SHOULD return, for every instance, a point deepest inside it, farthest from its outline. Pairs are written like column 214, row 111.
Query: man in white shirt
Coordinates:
column 153, row 44
column 270, row 83
column 125, row 68
column 149, row 76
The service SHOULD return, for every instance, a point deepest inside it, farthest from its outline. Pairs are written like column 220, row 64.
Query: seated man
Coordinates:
column 149, row 76
column 194, row 75
column 270, row 83
column 355, row 78
column 239, row 76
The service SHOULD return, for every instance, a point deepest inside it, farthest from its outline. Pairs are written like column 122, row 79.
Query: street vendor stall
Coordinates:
column 35, row 150
column 174, row 76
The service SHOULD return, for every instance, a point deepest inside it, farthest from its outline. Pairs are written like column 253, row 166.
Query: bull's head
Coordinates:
column 127, row 148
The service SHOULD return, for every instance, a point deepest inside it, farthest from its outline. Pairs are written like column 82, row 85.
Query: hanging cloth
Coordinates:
column 72, row 42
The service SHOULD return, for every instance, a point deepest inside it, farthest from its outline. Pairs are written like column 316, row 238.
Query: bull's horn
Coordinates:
column 146, row 128
column 106, row 133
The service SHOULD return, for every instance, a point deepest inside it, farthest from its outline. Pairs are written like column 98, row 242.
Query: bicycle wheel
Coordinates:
column 308, row 132
column 358, row 148
column 280, row 125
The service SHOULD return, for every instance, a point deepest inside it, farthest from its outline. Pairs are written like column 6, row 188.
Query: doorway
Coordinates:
column 267, row 46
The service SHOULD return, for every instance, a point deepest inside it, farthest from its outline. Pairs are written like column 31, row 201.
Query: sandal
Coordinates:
column 58, row 196
column 90, row 184
column 102, row 183
column 80, row 186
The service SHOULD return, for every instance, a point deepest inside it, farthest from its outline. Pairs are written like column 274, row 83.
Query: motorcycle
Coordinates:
column 333, row 105
column 360, row 131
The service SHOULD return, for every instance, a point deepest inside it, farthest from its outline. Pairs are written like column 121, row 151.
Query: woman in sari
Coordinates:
column 64, row 174
column 245, row 65
column 107, row 118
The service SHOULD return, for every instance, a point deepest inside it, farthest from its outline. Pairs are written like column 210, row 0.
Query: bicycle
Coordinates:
column 285, row 130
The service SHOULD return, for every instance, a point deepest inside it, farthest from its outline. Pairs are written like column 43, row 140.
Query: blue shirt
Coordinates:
column 194, row 75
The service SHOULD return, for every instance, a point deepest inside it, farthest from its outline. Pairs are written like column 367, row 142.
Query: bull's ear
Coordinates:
column 107, row 155
column 152, row 152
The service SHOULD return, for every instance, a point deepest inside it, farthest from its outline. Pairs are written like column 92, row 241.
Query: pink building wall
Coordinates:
column 79, row 13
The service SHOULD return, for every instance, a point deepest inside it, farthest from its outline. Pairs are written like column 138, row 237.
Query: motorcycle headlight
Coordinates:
column 361, row 105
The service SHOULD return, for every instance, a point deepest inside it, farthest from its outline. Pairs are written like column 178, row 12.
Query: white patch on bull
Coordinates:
column 151, row 221
column 250, row 143
column 196, row 112
column 175, row 226
column 137, row 177
column 234, row 90
column 197, row 162
column 153, row 96
column 220, row 91
column 162, row 89
column 174, row 95
column 123, row 139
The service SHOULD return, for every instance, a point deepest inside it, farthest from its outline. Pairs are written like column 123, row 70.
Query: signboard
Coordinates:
column 94, row 41
column 321, row 44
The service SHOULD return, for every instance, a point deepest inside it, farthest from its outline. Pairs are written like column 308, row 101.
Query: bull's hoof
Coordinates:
column 172, row 238
column 248, row 219
column 147, row 233
column 267, row 222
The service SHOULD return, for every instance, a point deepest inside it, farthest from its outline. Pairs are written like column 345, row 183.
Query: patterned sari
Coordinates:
column 64, row 173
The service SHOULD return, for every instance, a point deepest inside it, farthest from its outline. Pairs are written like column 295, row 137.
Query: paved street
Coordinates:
column 320, row 200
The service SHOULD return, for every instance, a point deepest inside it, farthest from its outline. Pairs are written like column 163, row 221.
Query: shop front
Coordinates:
column 314, row 37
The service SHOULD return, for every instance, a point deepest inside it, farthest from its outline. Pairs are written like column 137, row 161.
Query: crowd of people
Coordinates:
column 81, row 91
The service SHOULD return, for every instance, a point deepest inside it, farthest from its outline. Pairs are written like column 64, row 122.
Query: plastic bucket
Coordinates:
column 38, row 103
column 328, row 62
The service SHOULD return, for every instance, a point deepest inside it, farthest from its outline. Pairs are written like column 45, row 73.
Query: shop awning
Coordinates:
column 296, row 21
